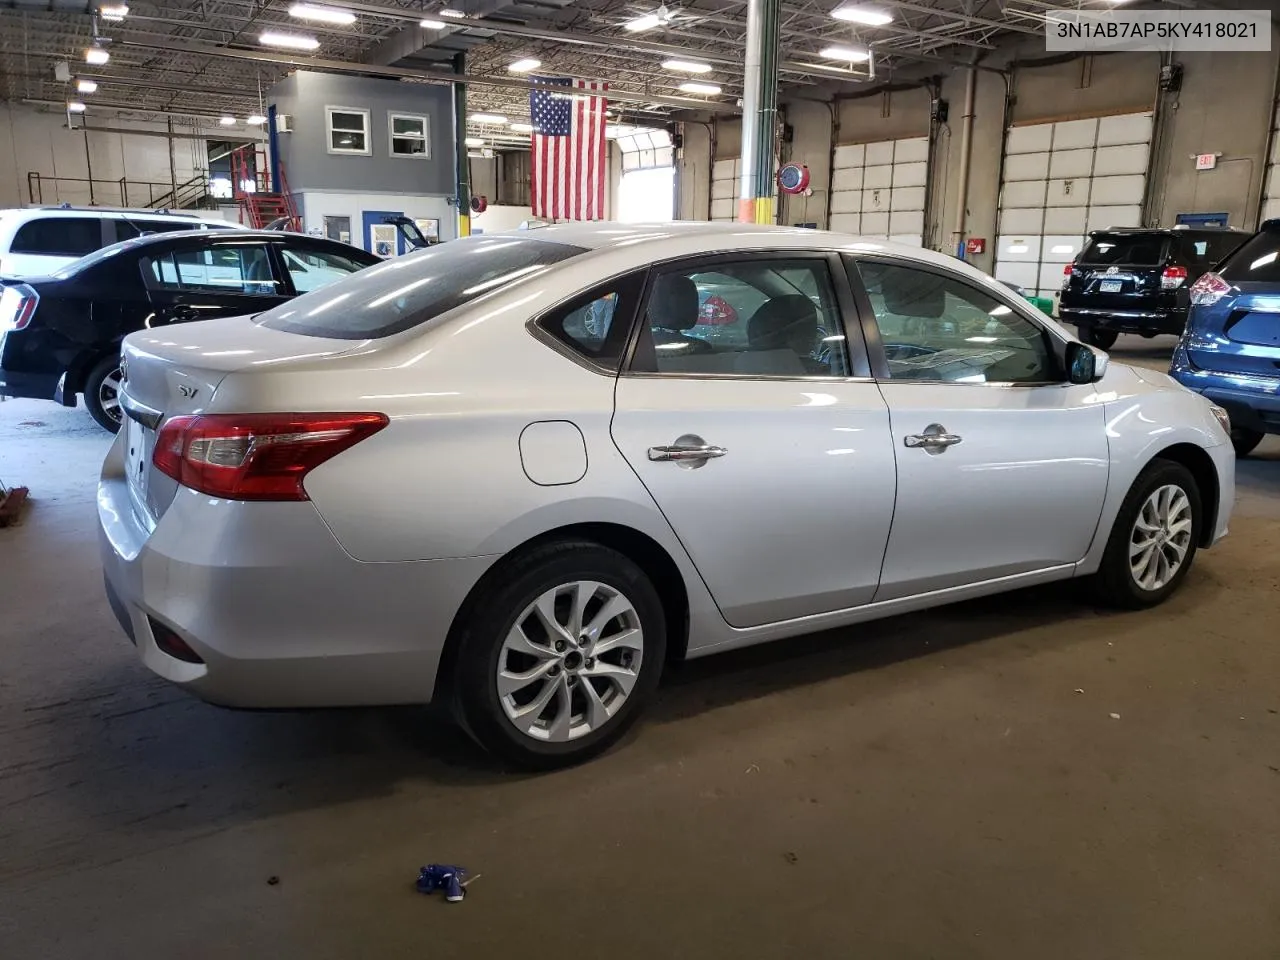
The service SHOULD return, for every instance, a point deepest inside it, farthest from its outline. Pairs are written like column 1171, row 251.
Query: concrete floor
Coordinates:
column 943, row 785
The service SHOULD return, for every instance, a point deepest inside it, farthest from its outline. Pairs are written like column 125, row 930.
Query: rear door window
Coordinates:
column 407, row 291
column 1257, row 261
column 312, row 269
column 1207, row 250
column 58, row 236
column 232, row 269
column 1138, row 250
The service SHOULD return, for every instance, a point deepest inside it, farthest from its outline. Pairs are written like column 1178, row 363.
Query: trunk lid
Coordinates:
column 1242, row 335
column 1120, row 272
column 175, row 370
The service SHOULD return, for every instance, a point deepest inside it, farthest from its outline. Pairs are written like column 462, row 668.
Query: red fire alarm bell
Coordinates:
column 975, row 245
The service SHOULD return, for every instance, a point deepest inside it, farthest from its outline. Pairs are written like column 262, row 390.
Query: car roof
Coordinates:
column 1179, row 231
column 113, row 213
column 237, row 236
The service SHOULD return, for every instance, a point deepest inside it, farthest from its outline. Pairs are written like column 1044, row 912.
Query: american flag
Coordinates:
column 569, row 167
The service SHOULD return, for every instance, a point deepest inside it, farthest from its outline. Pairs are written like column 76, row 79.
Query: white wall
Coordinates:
column 315, row 205
column 498, row 218
column 32, row 140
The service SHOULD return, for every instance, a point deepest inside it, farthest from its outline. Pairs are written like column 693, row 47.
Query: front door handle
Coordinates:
column 688, row 449
column 935, row 439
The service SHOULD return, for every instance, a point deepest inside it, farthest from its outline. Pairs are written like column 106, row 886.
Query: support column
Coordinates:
column 463, row 165
column 759, row 112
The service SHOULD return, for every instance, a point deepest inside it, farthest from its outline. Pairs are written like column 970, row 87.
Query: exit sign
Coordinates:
column 1206, row 161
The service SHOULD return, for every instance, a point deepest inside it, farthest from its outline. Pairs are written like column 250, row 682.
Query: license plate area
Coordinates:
column 1110, row 286
column 137, row 456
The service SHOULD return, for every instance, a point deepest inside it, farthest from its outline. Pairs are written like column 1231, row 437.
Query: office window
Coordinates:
column 348, row 130
column 409, row 136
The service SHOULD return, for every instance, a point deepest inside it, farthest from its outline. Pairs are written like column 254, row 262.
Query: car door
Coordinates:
column 1002, row 464
column 202, row 278
column 768, row 448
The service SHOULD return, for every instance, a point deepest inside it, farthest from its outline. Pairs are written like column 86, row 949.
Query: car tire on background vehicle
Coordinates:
column 504, row 635
column 1102, row 339
column 102, row 393
column 1158, row 525
column 1245, row 440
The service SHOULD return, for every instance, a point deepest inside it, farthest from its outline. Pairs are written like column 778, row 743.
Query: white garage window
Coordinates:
column 878, row 189
column 1271, row 188
column 348, row 130
column 409, row 136
column 724, row 189
column 1062, row 180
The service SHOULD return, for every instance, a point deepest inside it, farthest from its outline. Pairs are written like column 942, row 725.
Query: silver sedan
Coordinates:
column 523, row 472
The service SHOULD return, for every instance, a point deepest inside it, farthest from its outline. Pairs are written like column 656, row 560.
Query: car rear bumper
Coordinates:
column 1253, row 402
column 1125, row 321
column 33, row 386
column 277, row 612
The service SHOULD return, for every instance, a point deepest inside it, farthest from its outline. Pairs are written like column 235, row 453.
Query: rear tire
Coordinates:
column 1153, row 540
column 1102, row 339
column 1245, row 440
column 541, row 695
column 102, row 393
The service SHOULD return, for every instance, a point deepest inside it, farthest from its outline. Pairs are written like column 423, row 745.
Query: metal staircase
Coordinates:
column 261, row 205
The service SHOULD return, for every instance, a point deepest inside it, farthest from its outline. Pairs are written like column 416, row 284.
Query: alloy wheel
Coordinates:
column 570, row 661
column 1160, row 537
column 109, row 395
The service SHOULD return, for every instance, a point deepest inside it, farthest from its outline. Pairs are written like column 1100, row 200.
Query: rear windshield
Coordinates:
column 1136, row 250
column 410, row 290
column 1258, row 261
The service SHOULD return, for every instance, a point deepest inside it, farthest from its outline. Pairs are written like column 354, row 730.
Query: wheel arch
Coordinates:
column 639, row 547
column 86, row 360
column 1200, row 464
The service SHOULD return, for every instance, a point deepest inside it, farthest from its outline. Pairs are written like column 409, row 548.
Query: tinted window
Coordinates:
column 407, row 291
column 1211, row 248
column 59, row 236
column 596, row 325
column 234, row 269
column 1136, row 249
column 127, row 229
column 312, row 269
column 759, row 318
column 939, row 328
column 1258, row 261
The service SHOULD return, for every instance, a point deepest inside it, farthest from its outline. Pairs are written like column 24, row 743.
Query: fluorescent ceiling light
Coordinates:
column 646, row 22
column 75, row 106
column 114, row 12
column 255, row 119
column 431, row 24
column 96, row 55
column 455, row 14
column 850, row 54
column 291, row 41
column 524, row 65
column 309, row 11
column 487, row 118
column 87, row 86
column 227, row 121
column 710, row 89
column 473, row 142
column 686, row 66
column 521, row 128
column 857, row 13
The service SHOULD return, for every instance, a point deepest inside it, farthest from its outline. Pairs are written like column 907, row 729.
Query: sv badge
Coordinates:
column 188, row 392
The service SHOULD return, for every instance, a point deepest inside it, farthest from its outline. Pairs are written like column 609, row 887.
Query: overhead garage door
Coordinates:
column 1271, row 188
column 877, row 189
column 1060, row 181
column 724, row 189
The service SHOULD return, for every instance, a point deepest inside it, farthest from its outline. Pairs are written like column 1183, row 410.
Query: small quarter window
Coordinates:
column 595, row 325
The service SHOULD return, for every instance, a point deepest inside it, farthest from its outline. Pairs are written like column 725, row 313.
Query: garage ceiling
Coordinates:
column 202, row 58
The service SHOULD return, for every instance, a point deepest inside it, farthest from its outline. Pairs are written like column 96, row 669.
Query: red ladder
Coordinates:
column 261, row 205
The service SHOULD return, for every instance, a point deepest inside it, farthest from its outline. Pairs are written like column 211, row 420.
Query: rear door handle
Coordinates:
column 678, row 454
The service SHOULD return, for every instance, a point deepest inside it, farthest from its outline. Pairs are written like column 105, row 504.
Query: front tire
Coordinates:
column 1154, row 538
column 1245, row 441
column 102, row 394
column 559, row 654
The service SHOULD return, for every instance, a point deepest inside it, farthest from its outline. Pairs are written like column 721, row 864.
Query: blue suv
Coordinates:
column 1230, row 350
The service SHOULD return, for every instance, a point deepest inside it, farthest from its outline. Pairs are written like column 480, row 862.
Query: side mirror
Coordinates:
column 1085, row 364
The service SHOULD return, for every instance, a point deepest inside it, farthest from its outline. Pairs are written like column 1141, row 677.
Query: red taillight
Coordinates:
column 256, row 456
column 1067, row 268
column 1173, row 277
column 1208, row 290
column 17, row 306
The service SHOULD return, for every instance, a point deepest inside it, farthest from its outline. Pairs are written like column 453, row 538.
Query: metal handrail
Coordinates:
column 160, row 193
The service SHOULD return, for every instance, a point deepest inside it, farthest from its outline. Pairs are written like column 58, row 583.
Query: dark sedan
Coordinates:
column 60, row 335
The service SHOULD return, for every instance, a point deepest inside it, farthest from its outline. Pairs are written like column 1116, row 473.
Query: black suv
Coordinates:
column 60, row 335
column 1136, row 280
